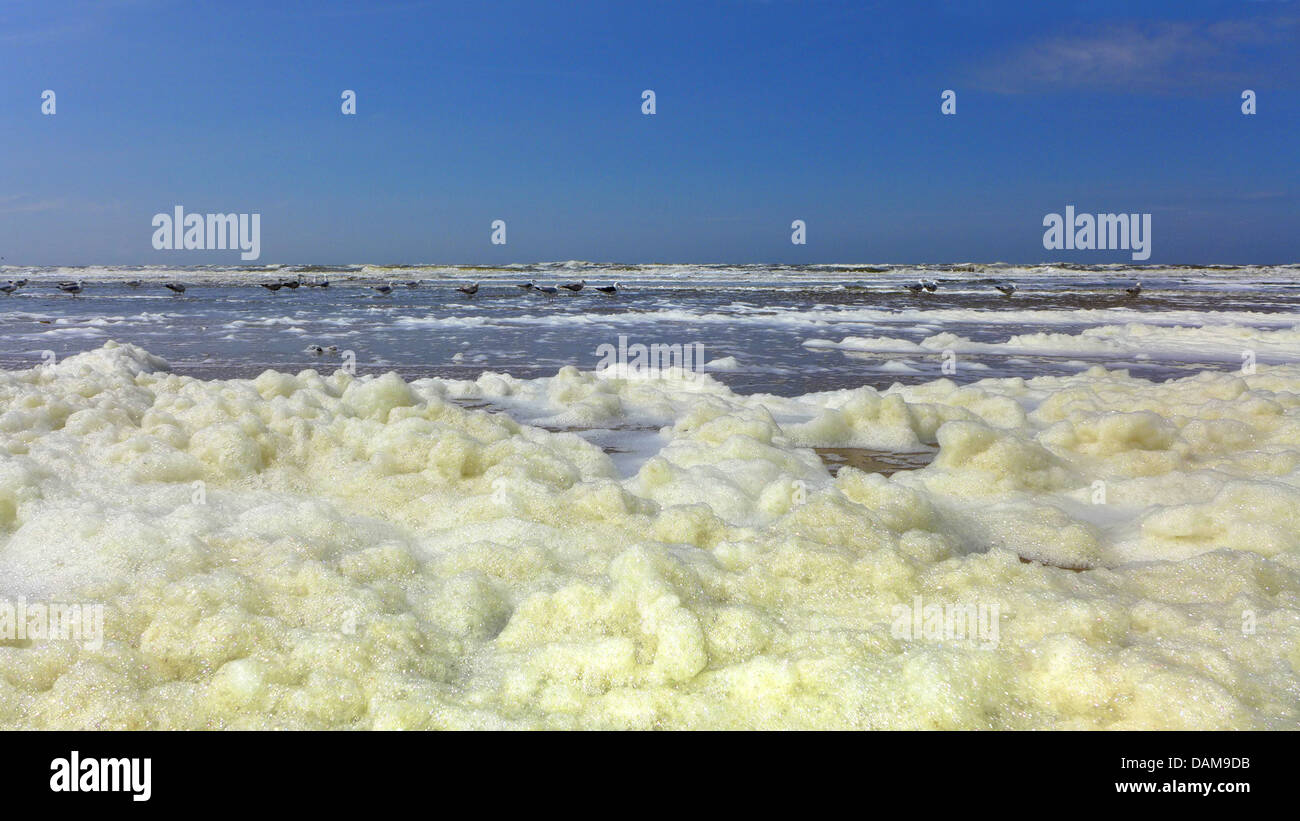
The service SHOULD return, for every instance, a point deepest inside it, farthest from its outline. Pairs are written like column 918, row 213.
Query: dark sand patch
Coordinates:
column 886, row 463
column 1072, row 568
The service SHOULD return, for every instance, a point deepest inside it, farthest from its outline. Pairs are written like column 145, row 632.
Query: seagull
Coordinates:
column 414, row 283
column 272, row 286
column 133, row 283
column 930, row 285
column 175, row 287
column 608, row 289
column 468, row 290
column 73, row 288
column 527, row 286
column 290, row 283
column 1008, row 289
column 384, row 289
column 915, row 288
column 19, row 282
column 8, row 288
column 316, row 349
column 324, row 283
column 549, row 290
column 1135, row 290
column 574, row 286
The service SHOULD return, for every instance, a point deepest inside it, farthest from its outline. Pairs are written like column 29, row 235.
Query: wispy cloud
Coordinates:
column 21, row 204
column 1152, row 57
column 43, row 22
column 28, row 204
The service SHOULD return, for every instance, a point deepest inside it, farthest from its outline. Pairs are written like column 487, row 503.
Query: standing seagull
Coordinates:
column 608, row 289
column 73, row 288
column 468, row 290
column 1007, row 289
column 8, row 288
column 527, row 286
column 383, row 289
column 272, row 286
column 930, row 285
column 175, row 287
column 915, row 288
column 1135, row 290
column 133, row 283
column 549, row 290
column 574, row 286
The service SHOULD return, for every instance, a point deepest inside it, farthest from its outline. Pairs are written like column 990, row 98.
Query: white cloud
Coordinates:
column 1169, row 56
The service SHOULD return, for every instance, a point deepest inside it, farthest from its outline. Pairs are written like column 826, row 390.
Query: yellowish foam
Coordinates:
column 329, row 551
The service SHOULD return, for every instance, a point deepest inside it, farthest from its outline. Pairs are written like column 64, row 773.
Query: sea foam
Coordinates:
column 319, row 550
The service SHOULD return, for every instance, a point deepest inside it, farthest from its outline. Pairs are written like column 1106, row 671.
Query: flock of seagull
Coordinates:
column 75, row 287
column 929, row 286
column 546, row 290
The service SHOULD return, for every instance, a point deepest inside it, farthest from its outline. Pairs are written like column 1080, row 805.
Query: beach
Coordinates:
column 863, row 507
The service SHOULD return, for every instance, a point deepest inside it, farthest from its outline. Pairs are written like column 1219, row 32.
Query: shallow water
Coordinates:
column 785, row 327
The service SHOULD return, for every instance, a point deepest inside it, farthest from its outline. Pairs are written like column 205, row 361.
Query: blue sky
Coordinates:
column 766, row 112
